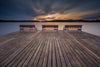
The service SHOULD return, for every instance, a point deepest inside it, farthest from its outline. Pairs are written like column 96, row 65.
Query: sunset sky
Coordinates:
column 49, row 9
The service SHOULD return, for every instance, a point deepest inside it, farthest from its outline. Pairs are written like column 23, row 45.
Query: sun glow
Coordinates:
column 48, row 16
column 58, row 16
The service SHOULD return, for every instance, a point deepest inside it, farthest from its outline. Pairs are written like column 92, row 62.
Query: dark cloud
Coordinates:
column 92, row 15
column 28, row 9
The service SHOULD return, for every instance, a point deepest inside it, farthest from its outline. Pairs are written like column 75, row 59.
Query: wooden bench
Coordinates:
column 49, row 27
column 27, row 28
column 73, row 27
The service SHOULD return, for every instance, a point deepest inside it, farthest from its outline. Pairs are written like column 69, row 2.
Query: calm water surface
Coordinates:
column 8, row 27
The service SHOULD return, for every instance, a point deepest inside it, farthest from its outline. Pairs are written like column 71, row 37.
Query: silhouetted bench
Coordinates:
column 73, row 27
column 49, row 27
column 27, row 28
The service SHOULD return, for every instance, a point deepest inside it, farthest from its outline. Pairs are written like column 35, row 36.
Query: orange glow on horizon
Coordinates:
column 66, row 16
column 56, row 17
column 40, row 20
column 49, row 19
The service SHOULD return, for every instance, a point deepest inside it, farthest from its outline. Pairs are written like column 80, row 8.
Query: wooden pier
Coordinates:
column 49, row 49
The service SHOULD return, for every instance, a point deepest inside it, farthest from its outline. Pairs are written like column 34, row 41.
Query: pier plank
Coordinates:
column 49, row 49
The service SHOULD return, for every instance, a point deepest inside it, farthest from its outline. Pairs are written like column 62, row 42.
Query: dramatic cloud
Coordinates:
column 49, row 9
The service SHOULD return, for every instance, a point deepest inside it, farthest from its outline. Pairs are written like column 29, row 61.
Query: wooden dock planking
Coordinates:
column 92, row 42
column 9, row 42
column 24, row 55
column 46, row 54
column 41, row 58
column 6, row 41
column 72, row 52
column 61, row 56
column 87, row 55
column 67, row 61
column 50, row 49
column 8, row 49
column 18, row 51
column 77, row 54
column 82, row 44
column 54, row 64
column 30, row 56
column 49, row 53
column 57, row 55
column 69, row 54
column 35, row 54
column 36, row 61
column 78, row 50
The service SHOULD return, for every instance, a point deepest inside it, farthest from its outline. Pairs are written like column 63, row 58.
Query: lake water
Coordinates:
column 8, row 27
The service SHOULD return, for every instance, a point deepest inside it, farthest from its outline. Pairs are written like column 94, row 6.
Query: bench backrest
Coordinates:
column 49, row 26
column 27, row 26
column 73, row 26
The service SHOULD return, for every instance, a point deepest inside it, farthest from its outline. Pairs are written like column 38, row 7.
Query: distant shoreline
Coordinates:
column 50, row 21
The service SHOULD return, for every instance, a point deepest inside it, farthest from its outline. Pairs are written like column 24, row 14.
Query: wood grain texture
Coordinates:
column 50, row 49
